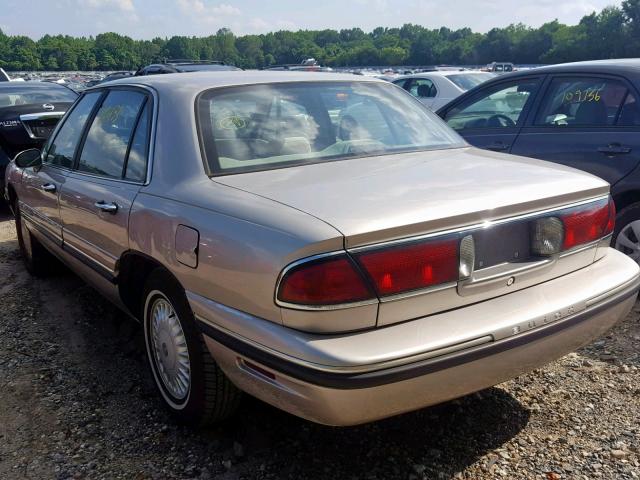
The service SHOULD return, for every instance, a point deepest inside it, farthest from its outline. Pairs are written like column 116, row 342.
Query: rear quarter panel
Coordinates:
column 244, row 242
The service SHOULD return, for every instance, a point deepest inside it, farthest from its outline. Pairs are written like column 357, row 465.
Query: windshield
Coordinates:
column 466, row 81
column 28, row 95
column 262, row 127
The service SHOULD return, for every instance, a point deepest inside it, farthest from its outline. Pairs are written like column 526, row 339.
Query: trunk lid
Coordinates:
column 376, row 199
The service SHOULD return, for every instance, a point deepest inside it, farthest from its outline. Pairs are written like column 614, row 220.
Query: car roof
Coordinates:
column 199, row 81
column 34, row 85
column 439, row 73
column 620, row 66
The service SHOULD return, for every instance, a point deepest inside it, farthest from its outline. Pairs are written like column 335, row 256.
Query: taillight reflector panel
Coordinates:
column 587, row 224
column 412, row 266
column 327, row 281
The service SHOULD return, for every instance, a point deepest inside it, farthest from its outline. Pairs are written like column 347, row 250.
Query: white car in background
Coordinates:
column 436, row 89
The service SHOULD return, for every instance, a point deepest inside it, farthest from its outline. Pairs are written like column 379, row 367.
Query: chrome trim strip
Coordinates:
column 39, row 221
column 102, row 177
column 88, row 257
column 633, row 283
column 518, row 268
column 42, row 115
column 421, row 291
column 581, row 248
column 42, row 230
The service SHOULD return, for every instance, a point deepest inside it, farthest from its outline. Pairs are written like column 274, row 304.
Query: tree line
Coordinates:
column 613, row 32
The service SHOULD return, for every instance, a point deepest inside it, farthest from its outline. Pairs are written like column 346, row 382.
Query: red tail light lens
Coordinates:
column 411, row 267
column 330, row 281
column 587, row 224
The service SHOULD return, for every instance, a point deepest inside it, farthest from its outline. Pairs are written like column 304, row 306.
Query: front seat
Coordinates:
column 591, row 113
column 424, row 91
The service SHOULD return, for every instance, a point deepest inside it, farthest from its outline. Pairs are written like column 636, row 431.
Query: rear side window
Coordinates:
column 63, row 147
column 589, row 102
column 107, row 142
column 421, row 88
column 136, row 168
column 498, row 106
column 401, row 83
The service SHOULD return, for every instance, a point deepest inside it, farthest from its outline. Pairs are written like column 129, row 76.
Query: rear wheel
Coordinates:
column 192, row 385
column 37, row 259
column 626, row 236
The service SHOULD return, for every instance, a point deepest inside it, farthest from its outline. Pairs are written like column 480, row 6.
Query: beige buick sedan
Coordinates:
column 322, row 242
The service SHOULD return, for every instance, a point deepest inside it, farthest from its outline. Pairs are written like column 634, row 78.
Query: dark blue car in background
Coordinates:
column 585, row 115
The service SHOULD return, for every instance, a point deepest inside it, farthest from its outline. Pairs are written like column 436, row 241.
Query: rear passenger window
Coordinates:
column 422, row 88
column 589, row 102
column 630, row 113
column 63, row 147
column 137, row 160
column 105, row 147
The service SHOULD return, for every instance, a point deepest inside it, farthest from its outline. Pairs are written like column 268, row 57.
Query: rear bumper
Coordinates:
column 363, row 376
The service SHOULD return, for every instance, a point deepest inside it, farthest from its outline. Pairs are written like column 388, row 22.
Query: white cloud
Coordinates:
column 376, row 5
column 260, row 25
column 203, row 10
column 123, row 5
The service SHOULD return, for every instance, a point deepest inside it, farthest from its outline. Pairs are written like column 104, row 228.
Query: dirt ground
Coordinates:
column 77, row 402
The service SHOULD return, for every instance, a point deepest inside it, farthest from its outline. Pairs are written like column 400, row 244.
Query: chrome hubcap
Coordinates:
column 169, row 346
column 628, row 240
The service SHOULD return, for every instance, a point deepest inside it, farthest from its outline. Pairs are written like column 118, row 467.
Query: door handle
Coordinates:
column 106, row 207
column 498, row 146
column 48, row 187
column 614, row 148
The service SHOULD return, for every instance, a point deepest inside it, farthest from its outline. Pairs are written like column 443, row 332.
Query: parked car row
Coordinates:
column 324, row 242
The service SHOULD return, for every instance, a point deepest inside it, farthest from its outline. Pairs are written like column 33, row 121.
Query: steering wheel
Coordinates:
column 500, row 120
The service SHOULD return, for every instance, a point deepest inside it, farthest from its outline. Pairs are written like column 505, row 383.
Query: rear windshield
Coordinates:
column 466, row 81
column 12, row 96
column 261, row 127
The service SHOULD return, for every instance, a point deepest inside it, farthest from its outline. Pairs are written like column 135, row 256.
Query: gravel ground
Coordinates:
column 77, row 402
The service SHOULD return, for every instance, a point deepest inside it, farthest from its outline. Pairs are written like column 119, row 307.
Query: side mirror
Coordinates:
column 29, row 158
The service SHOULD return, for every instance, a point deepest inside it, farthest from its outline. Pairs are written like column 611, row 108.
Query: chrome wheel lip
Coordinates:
column 628, row 240
column 167, row 350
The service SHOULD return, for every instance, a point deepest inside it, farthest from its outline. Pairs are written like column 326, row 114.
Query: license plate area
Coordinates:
column 498, row 244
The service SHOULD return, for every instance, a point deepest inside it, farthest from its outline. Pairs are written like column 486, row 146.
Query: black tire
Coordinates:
column 211, row 396
column 37, row 259
column 626, row 216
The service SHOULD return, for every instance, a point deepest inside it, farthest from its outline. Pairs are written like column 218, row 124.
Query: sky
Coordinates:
column 164, row 18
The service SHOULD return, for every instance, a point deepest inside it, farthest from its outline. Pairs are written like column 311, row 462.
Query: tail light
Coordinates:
column 343, row 278
column 588, row 223
column 411, row 267
column 327, row 281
